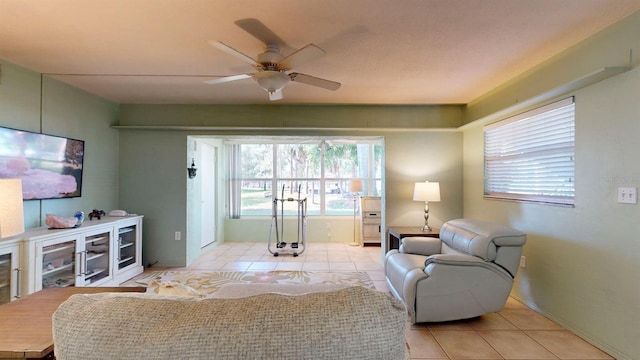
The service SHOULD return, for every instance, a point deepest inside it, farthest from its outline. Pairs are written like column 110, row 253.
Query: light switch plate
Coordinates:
column 627, row 195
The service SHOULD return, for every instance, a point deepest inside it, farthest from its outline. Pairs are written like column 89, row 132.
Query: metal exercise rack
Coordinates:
column 277, row 245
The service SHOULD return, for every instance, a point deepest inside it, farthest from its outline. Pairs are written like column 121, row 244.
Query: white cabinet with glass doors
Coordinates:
column 10, row 272
column 102, row 252
column 128, row 245
column 80, row 259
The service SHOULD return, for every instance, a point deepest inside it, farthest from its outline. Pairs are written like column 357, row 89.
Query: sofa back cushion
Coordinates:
column 489, row 241
column 351, row 323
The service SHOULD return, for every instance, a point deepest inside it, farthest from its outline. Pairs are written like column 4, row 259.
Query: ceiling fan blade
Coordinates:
column 276, row 95
column 227, row 79
column 303, row 55
column 261, row 32
column 229, row 50
column 314, row 81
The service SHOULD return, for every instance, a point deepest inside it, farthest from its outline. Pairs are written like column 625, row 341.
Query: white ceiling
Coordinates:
column 382, row 51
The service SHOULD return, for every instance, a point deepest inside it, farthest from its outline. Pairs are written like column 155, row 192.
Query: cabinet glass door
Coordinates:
column 96, row 258
column 5, row 278
column 58, row 265
column 127, row 237
column 10, row 274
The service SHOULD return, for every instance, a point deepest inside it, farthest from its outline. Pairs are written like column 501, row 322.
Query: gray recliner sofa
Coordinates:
column 467, row 272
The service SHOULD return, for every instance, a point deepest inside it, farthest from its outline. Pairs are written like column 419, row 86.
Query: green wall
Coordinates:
column 421, row 143
column 583, row 262
column 31, row 102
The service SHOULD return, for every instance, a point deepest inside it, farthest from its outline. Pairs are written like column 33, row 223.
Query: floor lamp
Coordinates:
column 355, row 186
column 426, row 191
column 11, row 209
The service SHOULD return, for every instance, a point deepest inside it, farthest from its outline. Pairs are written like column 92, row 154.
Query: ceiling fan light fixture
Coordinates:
column 271, row 80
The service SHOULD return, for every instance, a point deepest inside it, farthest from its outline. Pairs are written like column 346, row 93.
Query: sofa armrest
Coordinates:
column 420, row 245
column 460, row 260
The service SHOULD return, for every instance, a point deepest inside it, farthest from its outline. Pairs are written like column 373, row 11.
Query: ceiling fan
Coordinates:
column 272, row 66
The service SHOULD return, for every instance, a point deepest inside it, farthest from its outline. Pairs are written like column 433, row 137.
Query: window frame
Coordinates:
column 538, row 142
column 370, row 181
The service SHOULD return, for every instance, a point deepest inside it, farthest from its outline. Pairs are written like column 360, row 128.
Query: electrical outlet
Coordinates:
column 178, row 236
column 523, row 262
column 627, row 195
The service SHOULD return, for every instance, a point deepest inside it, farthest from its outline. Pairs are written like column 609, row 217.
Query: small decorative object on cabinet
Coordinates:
column 98, row 214
column 105, row 252
column 371, row 208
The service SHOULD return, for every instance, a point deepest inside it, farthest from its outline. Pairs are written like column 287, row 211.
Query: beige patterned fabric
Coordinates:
column 351, row 323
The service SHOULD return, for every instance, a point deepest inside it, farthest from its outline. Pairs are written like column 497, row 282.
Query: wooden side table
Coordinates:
column 398, row 232
column 25, row 324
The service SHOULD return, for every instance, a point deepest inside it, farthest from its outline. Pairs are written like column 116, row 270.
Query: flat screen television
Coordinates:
column 50, row 166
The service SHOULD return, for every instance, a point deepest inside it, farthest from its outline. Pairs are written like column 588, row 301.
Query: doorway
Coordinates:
column 208, row 213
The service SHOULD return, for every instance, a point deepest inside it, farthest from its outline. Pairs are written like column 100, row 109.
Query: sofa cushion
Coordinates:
column 353, row 323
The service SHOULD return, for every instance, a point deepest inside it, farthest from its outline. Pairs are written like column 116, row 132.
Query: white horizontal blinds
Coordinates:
column 530, row 157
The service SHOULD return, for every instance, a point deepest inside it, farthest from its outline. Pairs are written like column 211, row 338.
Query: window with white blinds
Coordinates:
column 531, row 157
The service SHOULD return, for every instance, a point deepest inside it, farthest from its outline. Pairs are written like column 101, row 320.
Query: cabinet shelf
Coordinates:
column 126, row 230
column 46, row 271
column 57, row 248
column 97, row 239
column 5, row 262
column 125, row 245
column 61, row 282
column 94, row 273
column 121, row 261
column 95, row 256
column 4, row 285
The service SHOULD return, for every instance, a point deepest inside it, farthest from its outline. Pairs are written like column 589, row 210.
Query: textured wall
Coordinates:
column 582, row 263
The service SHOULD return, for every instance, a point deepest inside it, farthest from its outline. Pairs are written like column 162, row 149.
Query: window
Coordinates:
column 313, row 168
column 531, row 157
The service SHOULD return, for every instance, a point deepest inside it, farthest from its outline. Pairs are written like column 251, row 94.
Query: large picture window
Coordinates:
column 313, row 168
column 531, row 157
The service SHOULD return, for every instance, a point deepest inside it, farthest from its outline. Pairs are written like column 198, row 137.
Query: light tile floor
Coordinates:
column 516, row 332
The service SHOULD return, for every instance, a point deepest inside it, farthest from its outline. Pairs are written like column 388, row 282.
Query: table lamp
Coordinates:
column 11, row 208
column 355, row 186
column 426, row 191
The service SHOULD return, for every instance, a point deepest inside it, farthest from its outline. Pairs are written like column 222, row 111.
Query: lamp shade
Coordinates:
column 11, row 209
column 426, row 191
column 355, row 186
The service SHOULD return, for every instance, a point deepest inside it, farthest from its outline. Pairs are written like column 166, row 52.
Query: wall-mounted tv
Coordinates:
column 50, row 166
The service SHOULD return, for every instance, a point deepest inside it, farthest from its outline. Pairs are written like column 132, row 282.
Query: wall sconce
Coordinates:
column 426, row 191
column 11, row 208
column 191, row 171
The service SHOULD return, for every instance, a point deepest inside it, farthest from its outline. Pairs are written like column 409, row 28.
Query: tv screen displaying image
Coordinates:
column 50, row 166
